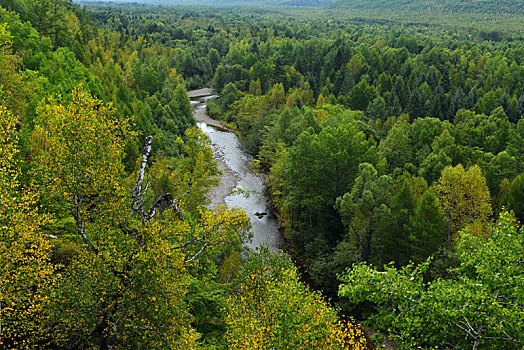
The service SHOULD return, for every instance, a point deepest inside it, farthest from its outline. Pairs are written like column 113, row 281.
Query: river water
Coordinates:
column 239, row 185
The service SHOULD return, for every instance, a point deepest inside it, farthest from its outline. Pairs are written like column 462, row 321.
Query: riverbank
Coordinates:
column 229, row 180
column 199, row 93
column 201, row 117
column 239, row 186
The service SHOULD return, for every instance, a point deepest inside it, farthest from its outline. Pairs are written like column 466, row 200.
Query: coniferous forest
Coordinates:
column 389, row 134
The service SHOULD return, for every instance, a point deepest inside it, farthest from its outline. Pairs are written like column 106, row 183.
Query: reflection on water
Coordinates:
column 248, row 193
column 202, row 101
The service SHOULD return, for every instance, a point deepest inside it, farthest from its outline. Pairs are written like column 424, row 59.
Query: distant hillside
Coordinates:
column 302, row 3
column 310, row 3
column 251, row 3
column 482, row 6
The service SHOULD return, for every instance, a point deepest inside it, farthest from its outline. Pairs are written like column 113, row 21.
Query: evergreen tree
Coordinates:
column 365, row 212
column 456, row 102
column 439, row 108
column 516, row 144
column 481, row 308
column 514, row 197
column 361, row 95
column 418, row 105
column 396, row 148
column 432, row 166
column 377, row 110
column 396, row 240
column 401, row 89
column 182, row 109
column 427, row 227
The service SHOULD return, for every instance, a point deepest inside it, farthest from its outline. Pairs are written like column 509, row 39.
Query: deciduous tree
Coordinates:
column 481, row 308
column 464, row 197
column 274, row 310
column 26, row 274
column 365, row 211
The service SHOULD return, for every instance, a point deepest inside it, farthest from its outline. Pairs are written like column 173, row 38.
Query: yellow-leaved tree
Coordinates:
column 273, row 309
column 79, row 147
column 464, row 198
column 125, row 287
column 26, row 274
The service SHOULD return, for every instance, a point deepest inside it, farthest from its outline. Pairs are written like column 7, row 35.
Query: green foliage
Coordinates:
column 316, row 170
column 396, row 147
column 427, row 227
column 191, row 176
column 432, row 166
column 506, row 6
column 463, row 197
column 274, row 310
column 26, row 274
column 361, row 95
column 365, row 211
column 207, row 302
column 397, row 238
column 480, row 308
column 435, row 85
column 513, row 197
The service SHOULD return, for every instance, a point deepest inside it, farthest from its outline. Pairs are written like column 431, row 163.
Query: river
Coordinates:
column 239, row 185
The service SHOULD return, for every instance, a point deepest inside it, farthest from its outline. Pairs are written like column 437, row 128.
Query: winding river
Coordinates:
column 239, row 185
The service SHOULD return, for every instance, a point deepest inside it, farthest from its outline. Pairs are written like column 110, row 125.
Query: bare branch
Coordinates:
column 467, row 330
column 137, row 195
column 87, row 175
column 166, row 197
column 80, row 224
column 511, row 338
column 176, row 205
column 127, row 231
column 197, row 254
column 196, row 239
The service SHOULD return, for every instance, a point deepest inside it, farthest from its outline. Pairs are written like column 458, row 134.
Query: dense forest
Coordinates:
column 496, row 7
column 242, row 3
column 392, row 147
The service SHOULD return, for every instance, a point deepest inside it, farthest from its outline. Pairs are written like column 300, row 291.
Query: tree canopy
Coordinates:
column 389, row 134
